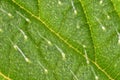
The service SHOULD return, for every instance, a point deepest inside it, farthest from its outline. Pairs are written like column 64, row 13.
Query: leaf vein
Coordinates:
column 4, row 76
column 61, row 38
column 87, row 18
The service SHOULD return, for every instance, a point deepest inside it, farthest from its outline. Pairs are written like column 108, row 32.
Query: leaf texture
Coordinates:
column 59, row 40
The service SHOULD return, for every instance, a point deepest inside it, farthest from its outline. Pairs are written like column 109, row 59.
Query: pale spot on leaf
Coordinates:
column 21, row 52
column 59, row 2
column 45, row 70
column 4, row 11
column 101, row 25
column 118, row 34
column 27, row 20
column 108, row 16
column 75, row 11
column 62, row 53
column 84, row 46
column 103, row 28
column 96, row 78
column 10, row 15
column 119, row 39
column 49, row 42
column 1, row 30
column 101, row 1
column 25, row 37
column 86, row 56
column 27, row 60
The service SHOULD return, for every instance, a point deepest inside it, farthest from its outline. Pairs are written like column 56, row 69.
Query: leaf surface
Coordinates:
column 59, row 40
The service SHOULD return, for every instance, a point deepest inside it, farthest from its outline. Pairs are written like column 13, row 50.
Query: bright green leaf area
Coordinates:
column 59, row 39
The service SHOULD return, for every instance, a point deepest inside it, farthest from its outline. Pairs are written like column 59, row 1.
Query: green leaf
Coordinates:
column 59, row 40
